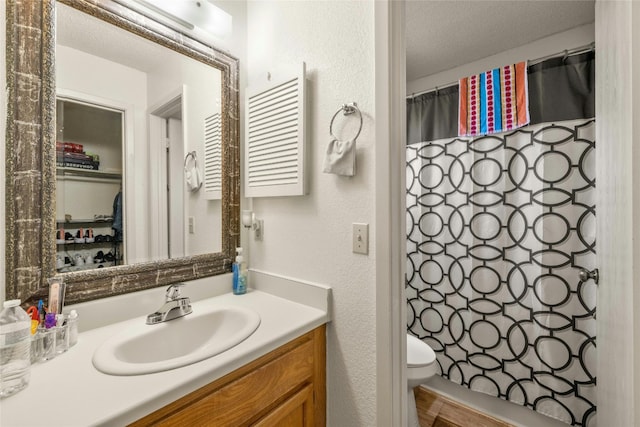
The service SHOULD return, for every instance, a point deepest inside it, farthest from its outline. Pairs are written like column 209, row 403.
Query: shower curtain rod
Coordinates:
column 565, row 53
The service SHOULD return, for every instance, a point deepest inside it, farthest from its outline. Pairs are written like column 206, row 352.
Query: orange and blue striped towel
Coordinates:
column 494, row 101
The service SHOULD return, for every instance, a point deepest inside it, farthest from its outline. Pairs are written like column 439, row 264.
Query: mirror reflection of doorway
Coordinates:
column 175, row 188
column 167, row 139
column 90, row 231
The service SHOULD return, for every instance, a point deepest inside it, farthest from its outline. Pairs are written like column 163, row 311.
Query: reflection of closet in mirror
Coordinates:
column 89, row 202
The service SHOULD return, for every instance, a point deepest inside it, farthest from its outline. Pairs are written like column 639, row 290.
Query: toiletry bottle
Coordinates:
column 15, row 348
column 239, row 274
column 72, row 322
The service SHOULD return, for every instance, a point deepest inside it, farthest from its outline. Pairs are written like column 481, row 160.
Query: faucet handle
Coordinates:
column 173, row 291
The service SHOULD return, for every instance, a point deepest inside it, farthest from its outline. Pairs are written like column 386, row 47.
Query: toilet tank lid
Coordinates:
column 418, row 352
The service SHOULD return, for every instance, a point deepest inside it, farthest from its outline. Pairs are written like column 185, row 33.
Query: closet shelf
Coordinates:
column 70, row 243
column 83, row 221
column 62, row 171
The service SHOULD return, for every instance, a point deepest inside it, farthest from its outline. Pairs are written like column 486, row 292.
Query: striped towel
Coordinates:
column 495, row 101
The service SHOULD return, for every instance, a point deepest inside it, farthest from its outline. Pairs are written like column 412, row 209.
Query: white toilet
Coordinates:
column 421, row 365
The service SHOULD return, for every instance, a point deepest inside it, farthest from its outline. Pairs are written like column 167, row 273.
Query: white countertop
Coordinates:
column 68, row 391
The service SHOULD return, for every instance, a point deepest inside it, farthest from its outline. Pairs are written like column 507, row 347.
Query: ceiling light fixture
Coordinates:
column 192, row 15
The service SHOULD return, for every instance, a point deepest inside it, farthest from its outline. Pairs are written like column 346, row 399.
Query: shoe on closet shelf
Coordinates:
column 80, row 236
column 88, row 237
column 60, row 239
column 78, row 260
column 88, row 258
column 99, row 257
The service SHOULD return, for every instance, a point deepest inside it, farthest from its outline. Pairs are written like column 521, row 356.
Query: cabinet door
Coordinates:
column 243, row 399
column 297, row 411
column 285, row 387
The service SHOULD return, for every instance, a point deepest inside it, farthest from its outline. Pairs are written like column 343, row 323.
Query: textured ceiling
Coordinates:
column 442, row 35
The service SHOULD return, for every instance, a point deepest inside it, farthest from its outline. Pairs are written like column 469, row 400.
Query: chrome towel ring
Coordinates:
column 346, row 109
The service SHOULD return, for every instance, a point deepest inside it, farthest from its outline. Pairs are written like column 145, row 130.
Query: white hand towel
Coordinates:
column 341, row 158
column 192, row 177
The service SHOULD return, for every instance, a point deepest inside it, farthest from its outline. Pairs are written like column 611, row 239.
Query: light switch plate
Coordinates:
column 361, row 238
column 259, row 229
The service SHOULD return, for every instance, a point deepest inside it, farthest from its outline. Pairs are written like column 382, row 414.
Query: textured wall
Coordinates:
column 309, row 237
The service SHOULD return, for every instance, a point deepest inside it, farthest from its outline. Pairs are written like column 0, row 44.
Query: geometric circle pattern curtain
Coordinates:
column 497, row 229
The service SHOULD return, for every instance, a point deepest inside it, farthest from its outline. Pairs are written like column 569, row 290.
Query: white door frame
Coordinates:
column 617, row 212
column 390, row 92
column 158, row 233
column 177, row 198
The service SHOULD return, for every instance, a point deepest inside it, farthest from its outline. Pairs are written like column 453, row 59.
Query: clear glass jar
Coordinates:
column 15, row 348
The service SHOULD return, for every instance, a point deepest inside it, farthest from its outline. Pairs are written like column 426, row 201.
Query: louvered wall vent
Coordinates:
column 212, row 157
column 275, row 134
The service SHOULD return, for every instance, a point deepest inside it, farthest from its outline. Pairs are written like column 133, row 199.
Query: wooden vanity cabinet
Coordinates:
column 284, row 388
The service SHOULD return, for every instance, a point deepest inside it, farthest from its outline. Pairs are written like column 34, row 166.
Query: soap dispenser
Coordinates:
column 239, row 274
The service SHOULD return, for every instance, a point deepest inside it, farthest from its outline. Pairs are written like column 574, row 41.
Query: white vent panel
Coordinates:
column 213, row 157
column 274, row 154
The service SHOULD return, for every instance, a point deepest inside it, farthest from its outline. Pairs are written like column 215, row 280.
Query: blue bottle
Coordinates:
column 239, row 274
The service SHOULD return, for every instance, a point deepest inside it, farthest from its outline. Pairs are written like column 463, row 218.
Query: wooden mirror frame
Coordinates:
column 30, row 157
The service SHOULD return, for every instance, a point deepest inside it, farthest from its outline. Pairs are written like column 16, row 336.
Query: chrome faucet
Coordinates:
column 175, row 306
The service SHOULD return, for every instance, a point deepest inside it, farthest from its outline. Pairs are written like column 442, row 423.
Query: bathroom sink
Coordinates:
column 144, row 349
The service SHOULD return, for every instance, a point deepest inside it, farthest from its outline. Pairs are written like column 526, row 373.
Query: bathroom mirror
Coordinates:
column 133, row 120
column 31, row 156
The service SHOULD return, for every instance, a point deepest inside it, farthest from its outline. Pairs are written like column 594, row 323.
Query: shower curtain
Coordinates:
column 497, row 229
